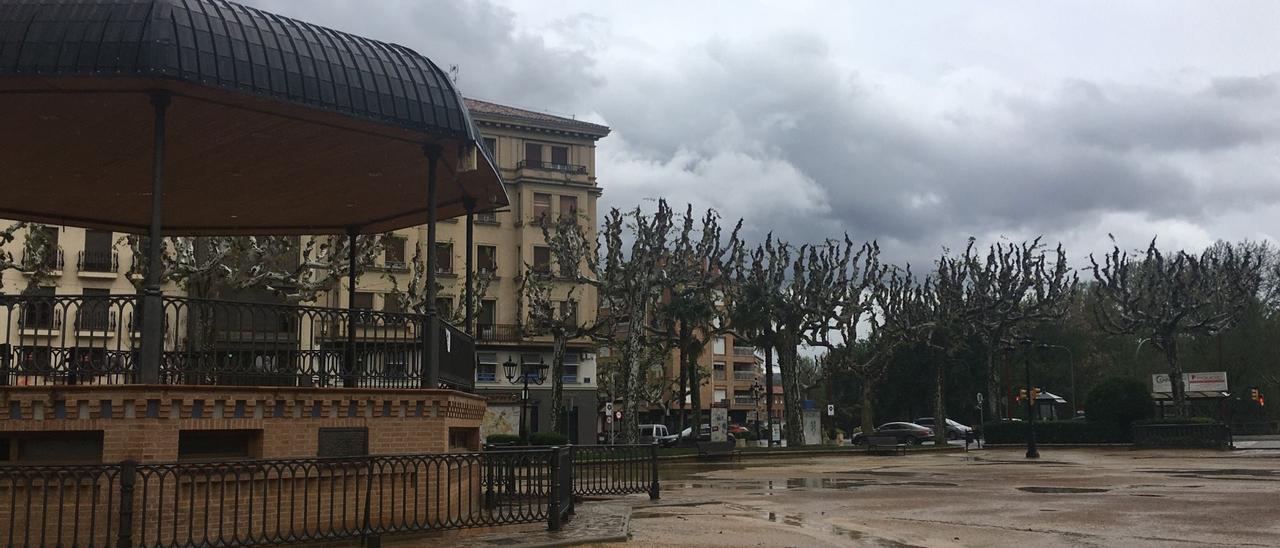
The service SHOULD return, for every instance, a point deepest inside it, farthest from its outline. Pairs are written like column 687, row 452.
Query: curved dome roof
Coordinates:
column 275, row 125
column 222, row 44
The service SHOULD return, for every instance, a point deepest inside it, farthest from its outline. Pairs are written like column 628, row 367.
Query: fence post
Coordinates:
column 5, row 357
column 128, row 476
column 553, row 504
column 653, row 471
column 491, row 469
column 368, row 538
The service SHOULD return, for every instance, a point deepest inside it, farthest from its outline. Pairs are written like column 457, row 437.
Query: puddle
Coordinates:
column 1247, row 474
column 1062, row 490
column 1147, row 495
column 789, row 519
column 926, row 483
column 868, row 540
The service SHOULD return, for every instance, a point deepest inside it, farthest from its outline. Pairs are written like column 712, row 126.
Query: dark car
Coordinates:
column 907, row 432
column 955, row 430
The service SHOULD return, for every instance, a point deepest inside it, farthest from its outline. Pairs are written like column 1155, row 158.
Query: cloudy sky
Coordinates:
column 918, row 125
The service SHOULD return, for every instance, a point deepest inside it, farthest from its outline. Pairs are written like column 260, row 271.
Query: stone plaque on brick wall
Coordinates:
column 343, row 442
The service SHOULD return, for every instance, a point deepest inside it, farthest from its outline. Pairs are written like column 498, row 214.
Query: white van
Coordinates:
column 651, row 432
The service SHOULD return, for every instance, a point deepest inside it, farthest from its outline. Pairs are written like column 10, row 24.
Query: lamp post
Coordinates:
column 1032, row 452
column 535, row 372
column 756, row 390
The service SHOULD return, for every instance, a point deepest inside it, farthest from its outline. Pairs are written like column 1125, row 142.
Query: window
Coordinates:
column 719, row 396
column 363, row 301
column 218, row 444
column 717, row 346
column 487, row 258
column 569, row 312
column 444, row 258
column 391, row 303
column 393, row 254
column 541, row 259
column 97, row 256
column 541, row 207
column 50, row 257
column 533, row 154
column 487, row 370
column 64, row 447
column 95, row 313
column 491, row 145
column 444, row 305
column 37, row 313
column 568, row 270
column 342, row 442
column 559, row 156
column 488, row 312
column 464, row 438
column 570, row 368
column 531, row 360
column 568, row 206
column 486, row 217
column 717, row 372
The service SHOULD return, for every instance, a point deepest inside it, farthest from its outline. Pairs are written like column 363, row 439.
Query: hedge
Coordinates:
column 547, row 438
column 502, row 439
column 1056, row 432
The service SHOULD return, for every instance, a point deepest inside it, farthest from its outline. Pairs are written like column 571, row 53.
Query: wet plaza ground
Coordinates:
column 995, row 497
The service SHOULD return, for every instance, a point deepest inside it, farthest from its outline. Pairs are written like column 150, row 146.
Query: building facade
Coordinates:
column 733, row 377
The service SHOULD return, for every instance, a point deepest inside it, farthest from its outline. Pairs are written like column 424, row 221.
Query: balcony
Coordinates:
column 91, row 262
column 499, row 333
column 743, row 400
column 211, row 342
column 744, row 375
column 52, row 260
column 744, row 351
column 552, row 166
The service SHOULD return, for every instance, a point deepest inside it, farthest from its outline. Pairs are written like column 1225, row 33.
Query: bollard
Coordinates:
column 653, row 471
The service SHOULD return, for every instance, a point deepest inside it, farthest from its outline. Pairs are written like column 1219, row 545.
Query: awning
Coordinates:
column 275, row 126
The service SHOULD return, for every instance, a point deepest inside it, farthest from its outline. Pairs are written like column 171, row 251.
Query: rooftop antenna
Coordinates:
column 453, row 73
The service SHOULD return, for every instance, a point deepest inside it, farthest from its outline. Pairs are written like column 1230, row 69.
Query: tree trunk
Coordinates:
column 557, row 385
column 633, row 372
column 684, row 389
column 790, row 391
column 768, row 388
column 993, row 385
column 689, row 359
column 1170, row 346
column 868, row 419
column 940, row 405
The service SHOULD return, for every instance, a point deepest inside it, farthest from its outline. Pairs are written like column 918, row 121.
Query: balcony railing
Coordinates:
column 744, row 351
column 717, row 375
column 552, row 166
column 53, row 259
column 743, row 400
column 80, row 340
column 744, row 375
column 105, row 261
column 499, row 333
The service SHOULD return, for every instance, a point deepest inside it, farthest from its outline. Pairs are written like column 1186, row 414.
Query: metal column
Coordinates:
column 351, row 371
column 152, row 344
column 468, row 326
column 431, row 362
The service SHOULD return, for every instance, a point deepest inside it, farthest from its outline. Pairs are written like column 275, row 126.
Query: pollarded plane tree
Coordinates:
column 630, row 286
column 32, row 261
column 1015, row 287
column 695, row 276
column 1162, row 298
column 552, row 296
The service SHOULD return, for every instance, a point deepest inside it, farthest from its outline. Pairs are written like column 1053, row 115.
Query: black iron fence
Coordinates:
column 1207, row 435
column 607, row 470
column 95, row 340
column 254, row 502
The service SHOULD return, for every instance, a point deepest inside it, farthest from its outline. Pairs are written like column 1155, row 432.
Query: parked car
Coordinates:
column 907, row 432
column 650, row 433
column 704, row 434
column 955, row 430
column 737, row 429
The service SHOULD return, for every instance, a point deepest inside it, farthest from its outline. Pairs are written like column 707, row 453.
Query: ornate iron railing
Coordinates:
column 600, row 470
column 552, row 166
column 95, row 340
column 283, row 501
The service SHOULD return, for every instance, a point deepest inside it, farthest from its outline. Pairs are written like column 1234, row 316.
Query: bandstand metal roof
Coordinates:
column 275, row 125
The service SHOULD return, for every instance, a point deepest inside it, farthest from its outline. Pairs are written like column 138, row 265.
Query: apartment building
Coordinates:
column 736, row 381
column 548, row 163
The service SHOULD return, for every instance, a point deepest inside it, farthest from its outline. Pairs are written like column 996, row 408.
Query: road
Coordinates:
column 1070, row 497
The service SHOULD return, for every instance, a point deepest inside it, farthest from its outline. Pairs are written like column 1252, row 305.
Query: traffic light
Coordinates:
column 1256, row 396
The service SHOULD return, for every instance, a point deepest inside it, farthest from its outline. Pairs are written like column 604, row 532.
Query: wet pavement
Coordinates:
column 1071, row 497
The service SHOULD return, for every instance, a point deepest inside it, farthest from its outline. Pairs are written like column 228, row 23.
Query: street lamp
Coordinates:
column 528, row 372
column 1032, row 452
column 756, row 390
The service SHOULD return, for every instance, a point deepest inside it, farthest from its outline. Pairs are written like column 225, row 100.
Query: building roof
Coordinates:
column 486, row 111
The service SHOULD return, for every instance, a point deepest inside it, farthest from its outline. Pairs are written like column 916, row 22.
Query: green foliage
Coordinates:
column 502, row 439
column 547, row 438
column 1119, row 401
column 1056, row 432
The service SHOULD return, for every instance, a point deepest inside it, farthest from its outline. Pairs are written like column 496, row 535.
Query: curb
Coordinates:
column 806, row 453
